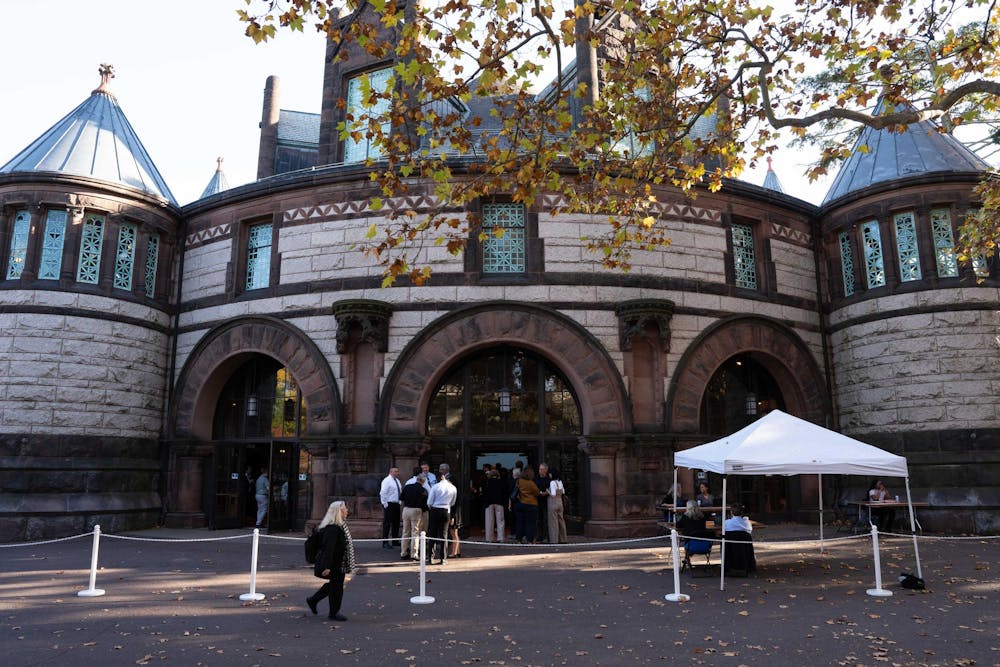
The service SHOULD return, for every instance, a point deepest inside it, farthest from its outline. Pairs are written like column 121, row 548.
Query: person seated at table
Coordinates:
column 692, row 521
column 883, row 517
column 738, row 521
column 674, row 498
column 704, row 497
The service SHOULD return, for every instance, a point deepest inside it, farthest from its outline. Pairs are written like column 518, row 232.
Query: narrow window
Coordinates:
column 981, row 267
column 125, row 257
column 906, row 246
column 944, row 243
column 18, row 244
column 359, row 89
column 744, row 257
column 259, row 256
column 152, row 257
column 874, row 268
column 847, row 263
column 503, row 245
column 52, row 245
column 88, row 269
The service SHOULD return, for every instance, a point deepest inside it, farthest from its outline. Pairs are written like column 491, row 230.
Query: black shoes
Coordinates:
column 405, row 557
column 338, row 617
column 312, row 605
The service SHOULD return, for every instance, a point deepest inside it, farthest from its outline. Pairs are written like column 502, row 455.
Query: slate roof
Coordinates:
column 95, row 139
column 921, row 149
column 298, row 128
column 218, row 182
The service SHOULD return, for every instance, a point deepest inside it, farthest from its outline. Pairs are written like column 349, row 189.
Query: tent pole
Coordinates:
column 722, row 567
column 913, row 527
column 820, row 475
column 673, row 496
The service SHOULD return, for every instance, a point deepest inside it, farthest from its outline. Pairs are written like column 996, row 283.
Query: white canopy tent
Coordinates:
column 780, row 444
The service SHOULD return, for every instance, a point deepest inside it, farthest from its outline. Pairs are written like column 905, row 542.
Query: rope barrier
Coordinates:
column 943, row 537
column 52, row 541
column 179, row 539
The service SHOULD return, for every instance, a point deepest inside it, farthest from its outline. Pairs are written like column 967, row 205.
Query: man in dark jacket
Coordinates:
column 542, row 480
column 414, row 502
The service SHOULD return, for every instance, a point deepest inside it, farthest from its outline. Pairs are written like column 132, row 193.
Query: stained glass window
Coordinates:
column 358, row 90
column 259, row 256
column 744, row 257
column 18, row 244
column 152, row 257
column 907, row 247
column 980, row 266
column 874, row 268
column 503, row 246
column 847, row 263
column 52, row 245
column 125, row 256
column 944, row 243
column 91, row 242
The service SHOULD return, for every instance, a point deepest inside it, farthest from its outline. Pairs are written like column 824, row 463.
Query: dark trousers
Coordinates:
column 884, row 518
column 334, row 589
column 543, row 519
column 525, row 517
column 391, row 516
column 438, row 525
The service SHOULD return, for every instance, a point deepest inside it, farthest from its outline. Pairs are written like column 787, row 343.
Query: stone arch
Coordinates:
column 226, row 347
column 577, row 354
column 777, row 347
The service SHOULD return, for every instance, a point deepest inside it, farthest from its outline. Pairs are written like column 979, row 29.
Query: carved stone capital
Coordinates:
column 372, row 317
column 601, row 447
column 634, row 317
column 406, row 448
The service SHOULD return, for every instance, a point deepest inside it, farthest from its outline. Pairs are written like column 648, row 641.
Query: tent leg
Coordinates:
column 913, row 528
column 673, row 496
column 722, row 558
column 820, row 513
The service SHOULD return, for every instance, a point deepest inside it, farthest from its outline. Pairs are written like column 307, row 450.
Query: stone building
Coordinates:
column 155, row 356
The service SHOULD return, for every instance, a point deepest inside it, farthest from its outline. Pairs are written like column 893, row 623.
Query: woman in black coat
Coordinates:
column 334, row 561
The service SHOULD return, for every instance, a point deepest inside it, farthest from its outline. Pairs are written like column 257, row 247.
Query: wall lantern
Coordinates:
column 252, row 405
column 751, row 404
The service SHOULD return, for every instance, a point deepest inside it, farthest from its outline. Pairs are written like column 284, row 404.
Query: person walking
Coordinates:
column 389, row 496
column 335, row 560
column 442, row 498
column 262, row 493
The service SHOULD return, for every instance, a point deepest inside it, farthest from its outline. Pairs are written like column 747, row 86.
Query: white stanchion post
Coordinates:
column 423, row 598
column 253, row 594
column 676, row 596
column 878, row 591
column 92, row 592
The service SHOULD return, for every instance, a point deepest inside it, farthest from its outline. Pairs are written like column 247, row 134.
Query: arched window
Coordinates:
column 504, row 391
column 739, row 393
column 260, row 401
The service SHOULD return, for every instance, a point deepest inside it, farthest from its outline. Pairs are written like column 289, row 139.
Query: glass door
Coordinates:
column 231, row 488
column 284, row 461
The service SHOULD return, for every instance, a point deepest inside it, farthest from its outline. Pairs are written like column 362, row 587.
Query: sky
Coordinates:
column 188, row 80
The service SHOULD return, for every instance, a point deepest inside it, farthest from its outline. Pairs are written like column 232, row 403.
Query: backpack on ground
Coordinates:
column 313, row 544
column 911, row 581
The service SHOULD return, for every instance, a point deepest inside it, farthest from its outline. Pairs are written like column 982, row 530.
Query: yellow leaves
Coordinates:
column 648, row 221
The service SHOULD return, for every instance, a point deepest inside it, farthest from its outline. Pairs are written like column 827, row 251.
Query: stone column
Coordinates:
column 602, row 453
column 187, row 487
column 406, row 453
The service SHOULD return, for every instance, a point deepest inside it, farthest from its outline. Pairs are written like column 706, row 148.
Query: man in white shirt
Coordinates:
column 426, row 469
column 389, row 495
column 440, row 502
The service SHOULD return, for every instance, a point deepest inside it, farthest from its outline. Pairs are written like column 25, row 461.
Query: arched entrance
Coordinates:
column 502, row 405
column 252, row 394
column 734, row 373
column 563, row 349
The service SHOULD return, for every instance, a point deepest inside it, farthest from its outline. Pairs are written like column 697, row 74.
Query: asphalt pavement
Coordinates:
column 584, row 603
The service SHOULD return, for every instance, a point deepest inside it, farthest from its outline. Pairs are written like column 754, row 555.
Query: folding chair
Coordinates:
column 696, row 547
column 740, row 558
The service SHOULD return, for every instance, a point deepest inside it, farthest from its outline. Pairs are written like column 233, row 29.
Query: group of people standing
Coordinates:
column 425, row 503
column 535, row 502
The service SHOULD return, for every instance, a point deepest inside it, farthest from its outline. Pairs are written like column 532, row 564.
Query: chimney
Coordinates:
column 269, row 127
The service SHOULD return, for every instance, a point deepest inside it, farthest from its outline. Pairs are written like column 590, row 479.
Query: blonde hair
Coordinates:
column 334, row 515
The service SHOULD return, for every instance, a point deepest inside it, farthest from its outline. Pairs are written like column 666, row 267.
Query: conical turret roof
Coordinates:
column 218, row 182
column 771, row 181
column 96, row 140
column 884, row 155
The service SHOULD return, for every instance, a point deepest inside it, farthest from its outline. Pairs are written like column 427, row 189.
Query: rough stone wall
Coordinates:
column 929, row 369
column 80, row 415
